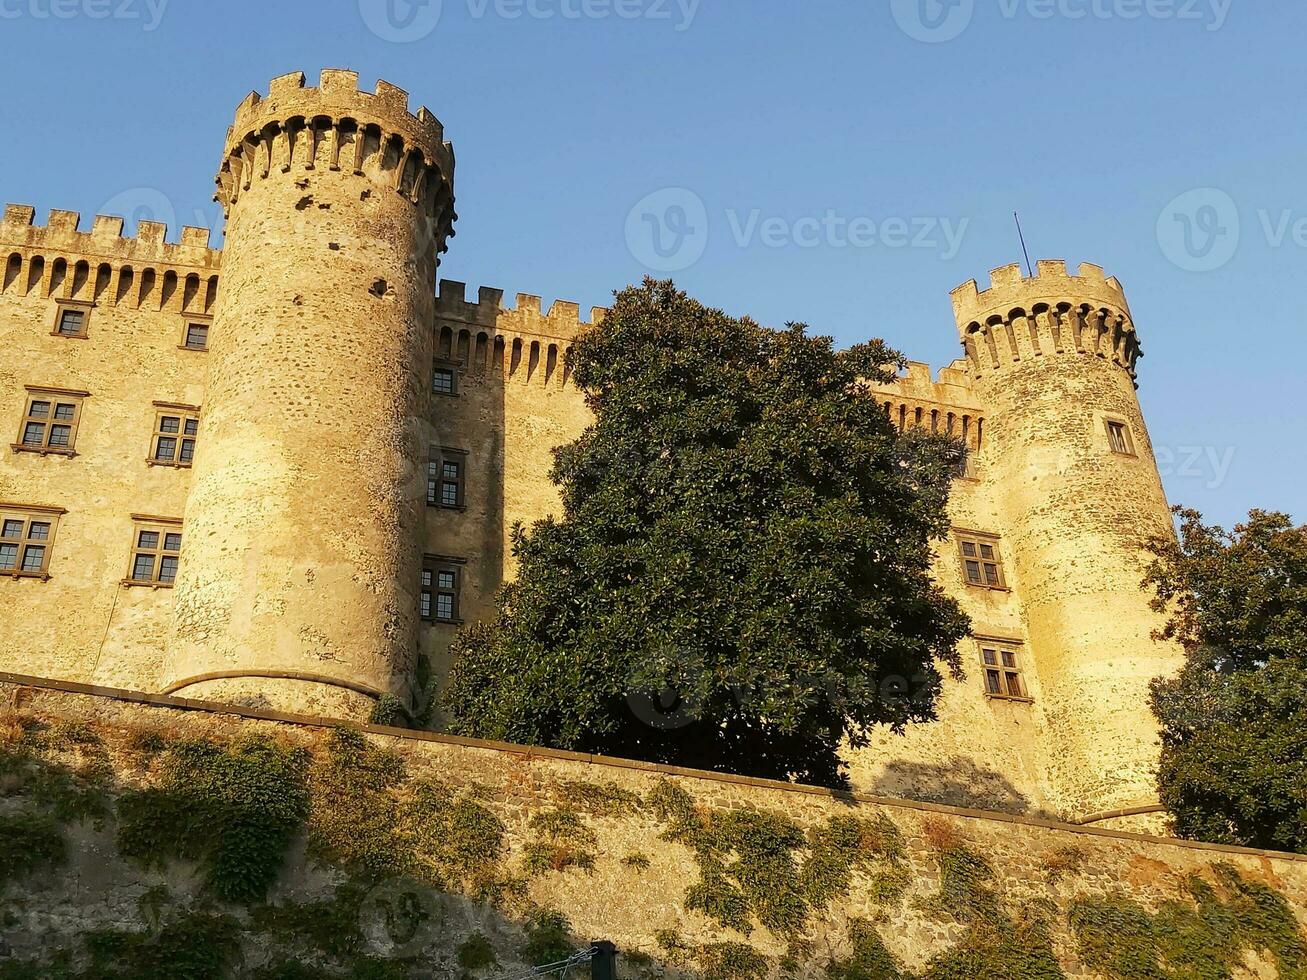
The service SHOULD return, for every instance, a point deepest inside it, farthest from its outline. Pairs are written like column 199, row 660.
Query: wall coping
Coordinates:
column 527, row 753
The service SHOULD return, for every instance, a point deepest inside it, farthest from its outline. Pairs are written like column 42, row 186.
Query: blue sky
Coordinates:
column 853, row 162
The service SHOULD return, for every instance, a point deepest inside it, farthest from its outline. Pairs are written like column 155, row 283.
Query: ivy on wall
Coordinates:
column 236, row 808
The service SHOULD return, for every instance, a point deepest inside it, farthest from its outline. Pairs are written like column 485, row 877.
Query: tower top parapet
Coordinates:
column 1051, row 284
column 337, row 96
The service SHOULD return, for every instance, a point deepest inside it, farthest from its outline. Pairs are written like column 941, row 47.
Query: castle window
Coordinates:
column 982, row 565
column 156, row 551
column 446, row 475
column 1118, row 438
column 1002, row 670
column 71, row 319
column 441, row 588
column 196, row 336
column 444, row 379
column 175, row 430
column 50, row 421
column 26, row 536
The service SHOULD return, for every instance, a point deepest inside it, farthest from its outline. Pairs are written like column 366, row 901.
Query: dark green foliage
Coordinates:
column 732, row 961
column 562, row 841
column 1234, row 722
column 355, row 815
column 61, row 775
column 28, row 842
column 330, row 927
column 740, row 578
column 548, row 938
column 233, row 808
column 760, row 866
column 369, row 818
column 1206, row 938
column 192, row 947
column 870, row 959
column 388, row 712
column 476, row 953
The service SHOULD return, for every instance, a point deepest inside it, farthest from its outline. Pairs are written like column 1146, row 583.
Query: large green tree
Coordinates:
column 1234, row 721
column 740, row 576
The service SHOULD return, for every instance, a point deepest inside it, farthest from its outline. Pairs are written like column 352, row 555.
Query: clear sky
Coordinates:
column 838, row 162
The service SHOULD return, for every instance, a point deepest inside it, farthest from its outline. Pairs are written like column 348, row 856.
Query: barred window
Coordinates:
column 982, row 565
column 1118, row 437
column 156, row 552
column 441, row 587
column 446, row 474
column 1002, row 671
column 175, row 430
column 50, row 421
column 25, row 540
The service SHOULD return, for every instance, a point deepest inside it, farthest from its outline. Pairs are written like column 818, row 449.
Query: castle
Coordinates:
column 283, row 474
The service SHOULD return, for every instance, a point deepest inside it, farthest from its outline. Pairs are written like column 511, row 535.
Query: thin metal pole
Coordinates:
column 1021, row 235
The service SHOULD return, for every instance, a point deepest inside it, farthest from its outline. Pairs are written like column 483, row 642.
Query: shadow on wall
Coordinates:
column 957, row 782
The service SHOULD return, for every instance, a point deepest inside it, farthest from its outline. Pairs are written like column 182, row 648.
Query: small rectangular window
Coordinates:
column 71, row 319
column 26, row 536
column 444, row 379
column 446, row 474
column 176, row 428
column 50, row 421
column 441, row 589
column 156, row 551
column 197, row 336
column 982, row 565
column 1118, row 437
column 1002, row 671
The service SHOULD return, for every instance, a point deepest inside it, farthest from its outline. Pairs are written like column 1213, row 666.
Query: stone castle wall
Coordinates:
column 690, row 874
column 306, row 522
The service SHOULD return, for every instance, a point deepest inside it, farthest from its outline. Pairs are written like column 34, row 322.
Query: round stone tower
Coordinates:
column 1053, row 357
column 302, row 539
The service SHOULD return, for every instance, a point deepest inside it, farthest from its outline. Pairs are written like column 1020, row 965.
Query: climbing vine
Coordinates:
column 232, row 808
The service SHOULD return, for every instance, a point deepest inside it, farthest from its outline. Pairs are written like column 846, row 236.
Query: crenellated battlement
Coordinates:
column 561, row 322
column 1052, row 312
column 945, row 404
column 335, row 127
column 61, row 235
column 519, row 342
column 1051, row 284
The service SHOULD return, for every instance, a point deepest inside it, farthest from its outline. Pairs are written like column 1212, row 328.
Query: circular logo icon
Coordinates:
column 401, row 21
column 667, row 231
column 399, row 918
column 1199, row 230
column 933, row 21
column 141, row 204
